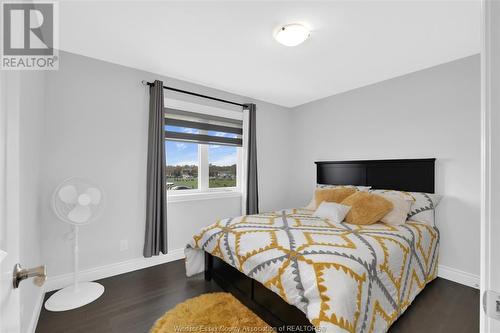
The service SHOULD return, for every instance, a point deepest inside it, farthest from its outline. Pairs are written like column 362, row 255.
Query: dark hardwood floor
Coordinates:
column 133, row 301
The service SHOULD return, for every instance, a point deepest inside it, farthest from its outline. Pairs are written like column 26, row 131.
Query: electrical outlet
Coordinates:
column 124, row 245
column 491, row 304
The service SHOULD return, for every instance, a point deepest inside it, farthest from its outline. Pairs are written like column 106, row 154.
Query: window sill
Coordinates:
column 193, row 196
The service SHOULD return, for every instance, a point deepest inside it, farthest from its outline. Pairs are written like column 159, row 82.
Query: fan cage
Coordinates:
column 61, row 209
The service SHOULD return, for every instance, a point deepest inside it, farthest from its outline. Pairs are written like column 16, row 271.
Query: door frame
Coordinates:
column 485, row 166
column 10, row 303
column 490, row 187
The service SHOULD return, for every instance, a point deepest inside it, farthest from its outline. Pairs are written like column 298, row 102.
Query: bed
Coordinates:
column 303, row 273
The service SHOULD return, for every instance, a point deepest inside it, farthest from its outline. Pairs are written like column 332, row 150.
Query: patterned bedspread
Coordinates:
column 345, row 278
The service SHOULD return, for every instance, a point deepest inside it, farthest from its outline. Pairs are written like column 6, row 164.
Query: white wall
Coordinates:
column 96, row 127
column 31, row 115
column 430, row 113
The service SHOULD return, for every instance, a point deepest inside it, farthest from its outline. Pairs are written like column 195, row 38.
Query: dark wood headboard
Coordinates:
column 412, row 175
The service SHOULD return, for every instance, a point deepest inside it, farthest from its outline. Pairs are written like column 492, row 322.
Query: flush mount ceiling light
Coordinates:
column 292, row 34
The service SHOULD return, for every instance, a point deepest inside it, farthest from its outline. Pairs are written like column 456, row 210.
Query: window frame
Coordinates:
column 204, row 191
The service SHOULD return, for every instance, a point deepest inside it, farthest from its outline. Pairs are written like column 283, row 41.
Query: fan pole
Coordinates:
column 76, row 251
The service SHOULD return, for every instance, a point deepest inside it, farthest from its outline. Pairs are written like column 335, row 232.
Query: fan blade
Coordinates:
column 67, row 194
column 79, row 214
column 95, row 195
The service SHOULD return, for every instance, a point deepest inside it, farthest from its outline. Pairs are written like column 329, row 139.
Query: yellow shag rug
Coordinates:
column 214, row 312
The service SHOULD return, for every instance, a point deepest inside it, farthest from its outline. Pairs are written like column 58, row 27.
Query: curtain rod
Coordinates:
column 196, row 94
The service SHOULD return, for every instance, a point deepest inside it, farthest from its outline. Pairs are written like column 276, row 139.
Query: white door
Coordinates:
column 490, row 233
column 10, row 309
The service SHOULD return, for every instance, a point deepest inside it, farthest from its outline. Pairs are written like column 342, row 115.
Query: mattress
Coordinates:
column 345, row 278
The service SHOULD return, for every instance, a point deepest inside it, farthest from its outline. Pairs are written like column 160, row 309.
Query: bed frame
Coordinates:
column 413, row 175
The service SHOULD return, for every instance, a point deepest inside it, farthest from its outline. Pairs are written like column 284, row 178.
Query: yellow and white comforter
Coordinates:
column 343, row 277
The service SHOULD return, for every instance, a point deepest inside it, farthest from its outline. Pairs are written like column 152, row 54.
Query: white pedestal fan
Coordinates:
column 78, row 202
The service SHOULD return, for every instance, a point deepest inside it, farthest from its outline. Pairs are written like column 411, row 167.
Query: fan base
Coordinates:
column 70, row 298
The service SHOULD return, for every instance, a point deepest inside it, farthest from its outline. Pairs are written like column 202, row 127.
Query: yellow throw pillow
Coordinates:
column 332, row 194
column 366, row 208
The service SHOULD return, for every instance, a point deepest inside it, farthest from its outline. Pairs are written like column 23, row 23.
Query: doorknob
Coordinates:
column 38, row 273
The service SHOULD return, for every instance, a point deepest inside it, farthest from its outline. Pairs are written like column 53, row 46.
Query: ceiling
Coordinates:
column 229, row 45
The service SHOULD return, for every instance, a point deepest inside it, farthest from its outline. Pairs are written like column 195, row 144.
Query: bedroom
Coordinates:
column 161, row 118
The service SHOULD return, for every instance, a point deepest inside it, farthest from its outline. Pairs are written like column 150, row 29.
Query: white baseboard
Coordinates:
column 36, row 311
column 92, row 274
column 458, row 276
column 60, row 281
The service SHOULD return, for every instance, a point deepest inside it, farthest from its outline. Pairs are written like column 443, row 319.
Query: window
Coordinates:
column 182, row 165
column 222, row 165
column 203, row 152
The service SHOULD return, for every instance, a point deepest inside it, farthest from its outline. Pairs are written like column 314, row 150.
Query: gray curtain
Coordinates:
column 156, row 201
column 252, row 181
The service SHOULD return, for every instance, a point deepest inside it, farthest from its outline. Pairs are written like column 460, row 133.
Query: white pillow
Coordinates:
column 312, row 203
column 358, row 187
column 401, row 208
column 333, row 211
column 422, row 207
